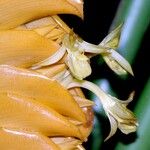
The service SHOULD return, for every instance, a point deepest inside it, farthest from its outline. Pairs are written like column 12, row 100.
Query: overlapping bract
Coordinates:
column 17, row 12
column 33, row 104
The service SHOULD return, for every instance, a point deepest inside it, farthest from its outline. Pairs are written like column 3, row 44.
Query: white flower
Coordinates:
column 76, row 59
column 116, row 110
column 78, row 65
column 119, row 115
column 113, row 59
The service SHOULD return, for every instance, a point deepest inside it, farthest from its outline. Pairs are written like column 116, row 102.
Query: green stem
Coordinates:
column 135, row 25
column 121, row 13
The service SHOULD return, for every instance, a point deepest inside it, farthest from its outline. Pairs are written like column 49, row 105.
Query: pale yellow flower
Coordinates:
column 119, row 115
column 116, row 110
column 113, row 59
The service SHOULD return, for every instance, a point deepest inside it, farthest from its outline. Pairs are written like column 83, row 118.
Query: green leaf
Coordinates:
column 121, row 13
column 135, row 24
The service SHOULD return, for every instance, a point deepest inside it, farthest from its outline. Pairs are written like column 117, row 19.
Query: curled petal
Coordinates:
column 113, row 126
column 114, row 65
column 51, row 60
column 114, row 108
column 127, row 128
column 112, row 39
column 114, row 60
column 126, row 120
column 117, row 63
column 91, row 48
column 125, row 102
column 122, row 61
column 78, row 65
column 121, row 113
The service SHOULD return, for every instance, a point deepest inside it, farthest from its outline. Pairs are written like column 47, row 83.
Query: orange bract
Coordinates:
column 17, row 12
column 40, row 88
column 33, row 105
column 24, row 48
column 20, row 112
column 14, row 139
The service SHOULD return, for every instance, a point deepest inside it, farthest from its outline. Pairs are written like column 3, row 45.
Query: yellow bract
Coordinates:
column 17, row 12
column 24, row 140
column 40, row 88
column 33, row 104
column 24, row 48
column 23, row 113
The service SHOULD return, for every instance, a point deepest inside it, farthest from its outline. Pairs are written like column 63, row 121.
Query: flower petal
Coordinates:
column 122, row 114
column 115, row 109
column 114, row 65
column 125, row 102
column 51, row 60
column 79, row 66
column 117, row 63
column 91, row 48
column 127, row 128
column 114, row 60
column 112, row 39
column 113, row 126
